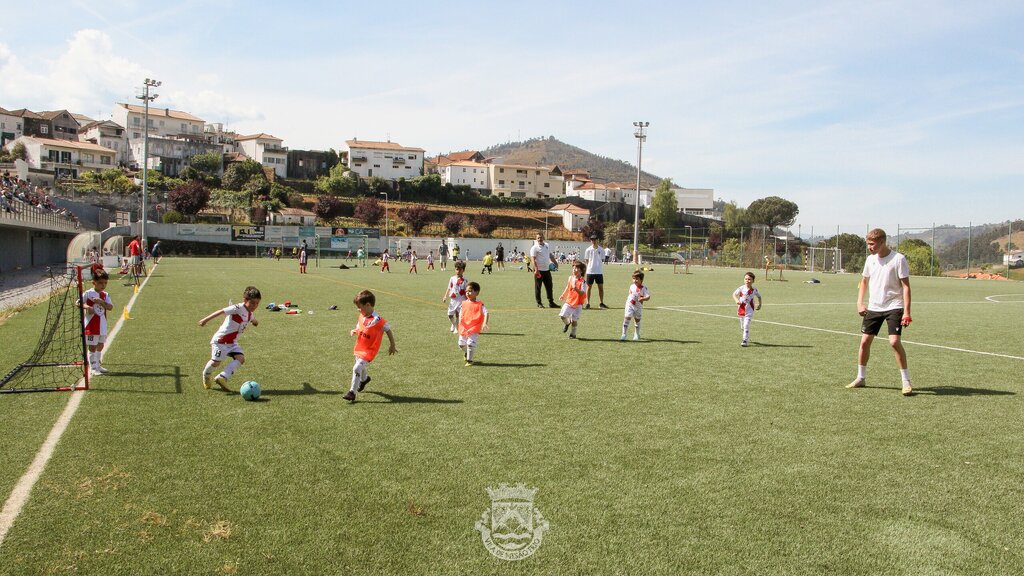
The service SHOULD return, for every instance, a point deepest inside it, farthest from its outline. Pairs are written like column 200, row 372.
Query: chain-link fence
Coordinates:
column 984, row 251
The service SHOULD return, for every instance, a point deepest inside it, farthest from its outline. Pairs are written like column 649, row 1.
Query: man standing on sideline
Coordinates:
column 540, row 254
column 595, row 270
column 499, row 255
column 442, row 252
column 135, row 257
column 886, row 277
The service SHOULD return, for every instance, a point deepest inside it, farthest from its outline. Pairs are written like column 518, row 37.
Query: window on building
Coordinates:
column 137, row 121
column 184, row 127
column 376, row 165
column 502, row 170
column 538, row 172
column 90, row 158
column 501, row 182
column 161, row 123
column 547, row 184
column 44, row 129
column 149, row 122
column 105, row 160
column 136, row 135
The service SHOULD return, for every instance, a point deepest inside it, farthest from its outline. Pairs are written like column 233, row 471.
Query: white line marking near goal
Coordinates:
column 22, row 490
column 990, row 299
column 857, row 334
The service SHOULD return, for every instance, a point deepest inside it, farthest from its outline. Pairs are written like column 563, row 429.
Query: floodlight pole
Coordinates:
column 640, row 137
column 689, row 247
column 387, row 235
column 146, row 98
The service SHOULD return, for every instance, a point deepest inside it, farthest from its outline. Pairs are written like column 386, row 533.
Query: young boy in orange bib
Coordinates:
column 369, row 332
column 473, row 318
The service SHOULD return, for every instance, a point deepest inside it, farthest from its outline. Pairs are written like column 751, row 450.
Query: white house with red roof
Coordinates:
column 65, row 158
column 388, row 160
column 574, row 218
column 265, row 149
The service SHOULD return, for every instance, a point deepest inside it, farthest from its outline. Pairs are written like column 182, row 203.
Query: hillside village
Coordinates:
column 63, row 145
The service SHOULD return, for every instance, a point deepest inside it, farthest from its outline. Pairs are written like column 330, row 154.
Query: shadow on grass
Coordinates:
column 306, row 390
column 397, row 399
column 763, row 345
column 642, row 341
column 507, row 365
column 140, row 373
column 961, row 391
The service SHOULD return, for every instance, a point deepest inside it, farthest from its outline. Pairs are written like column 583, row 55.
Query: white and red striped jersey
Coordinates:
column 236, row 320
column 96, row 315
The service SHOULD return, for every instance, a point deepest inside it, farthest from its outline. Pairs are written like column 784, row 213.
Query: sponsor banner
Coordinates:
column 186, row 229
column 290, row 239
column 339, row 243
column 307, row 231
column 371, row 232
column 214, row 229
column 323, row 231
column 248, row 233
column 275, row 233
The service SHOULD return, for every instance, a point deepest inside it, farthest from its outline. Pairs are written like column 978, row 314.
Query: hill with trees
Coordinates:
column 551, row 151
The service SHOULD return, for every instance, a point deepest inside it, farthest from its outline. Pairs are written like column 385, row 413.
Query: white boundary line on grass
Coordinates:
column 986, row 301
column 681, row 309
column 19, row 495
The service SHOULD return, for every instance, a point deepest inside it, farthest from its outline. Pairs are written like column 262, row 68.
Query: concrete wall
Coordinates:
column 21, row 248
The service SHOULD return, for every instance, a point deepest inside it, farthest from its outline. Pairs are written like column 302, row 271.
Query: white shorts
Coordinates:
column 133, row 261
column 634, row 312
column 469, row 340
column 454, row 304
column 570, row 312
column 221, row 352
column 95, row 340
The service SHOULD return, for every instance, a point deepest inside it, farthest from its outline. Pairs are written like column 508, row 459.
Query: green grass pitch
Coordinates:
column 680, row 454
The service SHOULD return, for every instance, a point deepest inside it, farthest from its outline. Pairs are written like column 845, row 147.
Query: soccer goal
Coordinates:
column 822, row 259
column 58, row 361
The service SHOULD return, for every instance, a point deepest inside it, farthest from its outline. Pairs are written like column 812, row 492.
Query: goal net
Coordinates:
column 822, row 259
column 57, row 363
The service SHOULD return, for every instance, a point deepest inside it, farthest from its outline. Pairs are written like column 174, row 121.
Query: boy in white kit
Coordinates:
column 887, row 275
column 96, row 303
column 455, row 294
column 744, row 298
column 638, row 294
column 225, row 342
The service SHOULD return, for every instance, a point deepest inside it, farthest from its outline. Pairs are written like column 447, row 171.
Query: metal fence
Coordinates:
column 937, row 250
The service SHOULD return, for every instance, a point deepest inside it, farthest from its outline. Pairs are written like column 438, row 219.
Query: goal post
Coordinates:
column 822, row 259
column 58, row 362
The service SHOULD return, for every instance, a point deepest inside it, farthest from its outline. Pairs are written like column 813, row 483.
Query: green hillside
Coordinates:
column 551, row 151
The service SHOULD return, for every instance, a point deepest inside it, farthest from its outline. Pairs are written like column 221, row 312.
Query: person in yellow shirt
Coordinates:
column 488, row 263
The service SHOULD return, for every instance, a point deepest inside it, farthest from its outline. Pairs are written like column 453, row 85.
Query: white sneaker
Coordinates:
column 907, row 390
column 636, row 337
column 858, row 383
column 95, row 373
column 743, row 343
column 102, row 370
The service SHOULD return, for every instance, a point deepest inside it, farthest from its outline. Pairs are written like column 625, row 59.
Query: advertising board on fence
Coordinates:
column 248, row 233
column 368, row 232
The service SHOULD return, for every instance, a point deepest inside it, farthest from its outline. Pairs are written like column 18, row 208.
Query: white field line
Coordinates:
column 22, row 490
column 851, row 304
column 733, row 317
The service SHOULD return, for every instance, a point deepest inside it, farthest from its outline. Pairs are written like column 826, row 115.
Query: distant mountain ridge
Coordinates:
column 551, row 151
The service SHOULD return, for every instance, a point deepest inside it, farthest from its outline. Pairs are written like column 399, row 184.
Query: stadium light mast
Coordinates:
column 387, row 236
column 146, row 97
column 640, row 137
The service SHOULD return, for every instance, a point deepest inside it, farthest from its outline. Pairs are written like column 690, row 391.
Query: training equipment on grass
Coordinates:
column 250, row 390
column 58, row 362
column 681, row 266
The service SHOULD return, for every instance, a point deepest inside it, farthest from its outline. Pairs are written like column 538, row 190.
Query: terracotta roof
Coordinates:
column 51, row 114
column 469, row 164
column 69, row 144
column 25, row 113
column 294, row 212
column 523, row 166
column 464, row 156
column 570, row 208
column 260, row 136
column 380, row 145
column 164, row 112
column 110, row 123
column 3, row 110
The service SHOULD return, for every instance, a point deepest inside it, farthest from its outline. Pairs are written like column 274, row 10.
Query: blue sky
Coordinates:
column 880, row 113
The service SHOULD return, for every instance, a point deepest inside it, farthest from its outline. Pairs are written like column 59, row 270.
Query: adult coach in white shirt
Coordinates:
column 540, row 254
column 595, row 270
column 887, row 278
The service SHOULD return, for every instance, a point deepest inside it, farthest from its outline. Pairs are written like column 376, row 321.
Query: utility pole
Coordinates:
column 640, row 137
column 146, row 97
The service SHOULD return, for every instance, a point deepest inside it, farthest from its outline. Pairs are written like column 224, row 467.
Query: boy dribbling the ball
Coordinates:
column 369, row 332
column 225, row 341
column 96, row 303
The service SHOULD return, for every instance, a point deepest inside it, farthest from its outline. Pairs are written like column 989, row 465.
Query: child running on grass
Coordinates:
column 455, row 294
column 638, row 294
column 488, row 263
column 430, row 260
column 369, row 332
column 96, row 303
column 412, row 263
column 744, row 298
column 473, row 319
column 574, row 295
column 384, row 261
column 225, row 341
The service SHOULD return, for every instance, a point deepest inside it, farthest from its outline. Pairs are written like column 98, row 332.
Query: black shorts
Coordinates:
column 873, row 322
column 591, row 278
